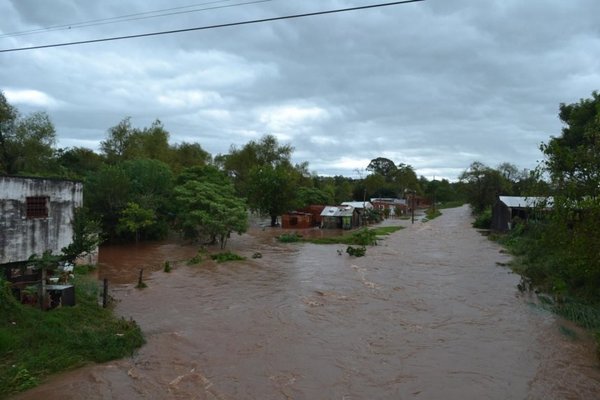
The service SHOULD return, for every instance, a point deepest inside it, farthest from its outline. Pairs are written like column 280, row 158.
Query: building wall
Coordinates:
column 501, row 217
column 20, row 237
column 296, row 221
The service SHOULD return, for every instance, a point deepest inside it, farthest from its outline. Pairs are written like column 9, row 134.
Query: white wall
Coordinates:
column 21, row 237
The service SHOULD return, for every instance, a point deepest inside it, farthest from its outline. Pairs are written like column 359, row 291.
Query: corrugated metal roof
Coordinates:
column 358, row 204
column 337, row 211
column 526, row 202
column 389, row 200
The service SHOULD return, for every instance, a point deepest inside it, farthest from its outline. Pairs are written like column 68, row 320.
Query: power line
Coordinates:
column 130, row 17
column 200, row 28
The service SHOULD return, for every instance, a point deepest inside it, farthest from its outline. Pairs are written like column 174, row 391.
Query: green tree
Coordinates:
column 483, row 185
column 149, row 143
column 106, row 194
column 115, row 146
column 208, row 206
column 573, row 158
column 26, row 143
column 307, row 196
column 406, row 179
column 239, row 163
column 384, row 167
column 570, row 240
column 272, row 189
column 86, row 236
column 134, row 219
column 187, row 155
column 78, row 162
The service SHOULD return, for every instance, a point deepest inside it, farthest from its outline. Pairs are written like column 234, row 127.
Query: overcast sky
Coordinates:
column 435, row 84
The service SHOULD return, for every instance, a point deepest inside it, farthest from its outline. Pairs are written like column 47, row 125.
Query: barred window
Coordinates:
column 37, row 207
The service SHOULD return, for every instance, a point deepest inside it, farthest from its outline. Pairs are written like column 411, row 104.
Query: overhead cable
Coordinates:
column 131, row 17
column 200, row 28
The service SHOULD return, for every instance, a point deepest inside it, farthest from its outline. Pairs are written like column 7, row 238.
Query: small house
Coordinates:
column 360, row 208
column 315, row 210
column 339, row 217
column 394, row 205
column 297, row 220
column 508, row 208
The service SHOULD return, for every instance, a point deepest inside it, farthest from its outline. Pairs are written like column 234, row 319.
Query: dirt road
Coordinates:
column 427, row 314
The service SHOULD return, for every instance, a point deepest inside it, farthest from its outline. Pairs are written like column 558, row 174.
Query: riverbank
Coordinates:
column 550, row 275
column 35, row 344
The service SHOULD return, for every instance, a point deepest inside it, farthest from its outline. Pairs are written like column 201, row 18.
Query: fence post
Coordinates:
column 105, row 293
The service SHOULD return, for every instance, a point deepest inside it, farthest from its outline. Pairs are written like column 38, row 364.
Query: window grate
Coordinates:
column 37, row 207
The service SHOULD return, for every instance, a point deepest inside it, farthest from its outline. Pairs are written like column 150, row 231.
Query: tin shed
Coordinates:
column 507, row 208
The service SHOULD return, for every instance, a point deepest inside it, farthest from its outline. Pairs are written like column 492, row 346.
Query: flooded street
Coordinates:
column 427, row 314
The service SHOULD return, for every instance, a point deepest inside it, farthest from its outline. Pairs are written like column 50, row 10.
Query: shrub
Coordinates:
column 289, row 238
column 483, row 220
column 364, row 237
column 356, row 251
column 226, row 256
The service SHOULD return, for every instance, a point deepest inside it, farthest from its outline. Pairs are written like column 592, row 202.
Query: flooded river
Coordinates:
column 430, row 313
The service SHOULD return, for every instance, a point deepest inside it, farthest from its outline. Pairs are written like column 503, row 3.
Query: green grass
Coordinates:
column 431, row 214
column 361, row 237
column 35, row 343
column 547, row 269
column 289, row 238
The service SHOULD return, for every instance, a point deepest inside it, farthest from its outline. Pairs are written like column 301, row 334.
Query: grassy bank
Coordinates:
column 555, row 271
column 361, row 237
column 35, row 343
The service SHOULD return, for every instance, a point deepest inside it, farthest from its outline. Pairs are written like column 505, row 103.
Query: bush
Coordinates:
column 364, row 237
column 356, row 251
column 289, row 238
column 226, row 256
column 483, row 220
column 432, row 214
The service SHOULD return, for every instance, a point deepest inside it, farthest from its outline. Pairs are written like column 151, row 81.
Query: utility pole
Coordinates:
column 412, row 208
column 434, row 189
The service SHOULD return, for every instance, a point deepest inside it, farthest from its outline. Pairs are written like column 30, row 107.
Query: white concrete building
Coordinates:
column 36, row 216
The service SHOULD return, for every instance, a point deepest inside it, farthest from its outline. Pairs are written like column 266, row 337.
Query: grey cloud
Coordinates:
column 436, row 84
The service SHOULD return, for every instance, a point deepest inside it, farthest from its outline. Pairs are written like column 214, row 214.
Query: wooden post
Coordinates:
column 105, row 293
column 413, row 207
column 42, row 290
column 140, row 279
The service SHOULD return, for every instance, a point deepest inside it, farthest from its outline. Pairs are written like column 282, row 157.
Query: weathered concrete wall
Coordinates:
column 21, row 237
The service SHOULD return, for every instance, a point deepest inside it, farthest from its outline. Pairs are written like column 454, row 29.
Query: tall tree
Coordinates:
column 384, row 167
column 77, row 162
column 239, row 162
column 483, row 184
column 114, row 147
column 272, row 189
column 573, row 158
column 187, row 155
column 208, row 207
column 26, row 143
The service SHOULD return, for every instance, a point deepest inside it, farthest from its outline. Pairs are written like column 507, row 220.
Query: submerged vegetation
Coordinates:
column 35, row 343
column 226, row 256
column 361, row 237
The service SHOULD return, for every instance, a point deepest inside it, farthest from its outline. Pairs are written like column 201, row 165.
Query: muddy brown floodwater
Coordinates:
column 427, row 314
